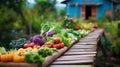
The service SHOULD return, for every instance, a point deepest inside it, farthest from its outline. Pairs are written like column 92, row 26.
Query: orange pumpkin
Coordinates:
column 0, row 56
column 19, row 58
column 4, row 57
column 10, row 56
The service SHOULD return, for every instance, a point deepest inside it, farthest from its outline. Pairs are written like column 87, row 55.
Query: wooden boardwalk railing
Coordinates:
column 83, row 53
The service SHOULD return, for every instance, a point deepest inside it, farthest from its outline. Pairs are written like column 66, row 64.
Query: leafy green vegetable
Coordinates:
column 2, row 50
column 44, row 52
column 44, row 28
column 69, row 23
column 17, row 43
column 34, row 58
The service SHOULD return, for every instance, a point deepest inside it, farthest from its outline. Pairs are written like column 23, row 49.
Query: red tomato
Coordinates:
column 71, row 20
column 25, row 45
column 31, row 45
column 95, row 26
column 62, row 45
column 57, row 46
column 51, row 44
column 56, row 40
column 28, row 45
column 77, row 27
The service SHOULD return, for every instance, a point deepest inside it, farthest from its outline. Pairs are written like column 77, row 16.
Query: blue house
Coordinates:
column 90, row 8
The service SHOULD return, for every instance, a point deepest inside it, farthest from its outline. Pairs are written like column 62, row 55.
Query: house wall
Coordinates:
column 101, row 10
column 107, row 5
column 72, row 11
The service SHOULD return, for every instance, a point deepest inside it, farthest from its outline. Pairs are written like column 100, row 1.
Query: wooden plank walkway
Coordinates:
column 81, row 54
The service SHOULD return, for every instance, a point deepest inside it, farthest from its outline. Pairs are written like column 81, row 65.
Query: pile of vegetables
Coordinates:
column 51, row 38
column 29, row 55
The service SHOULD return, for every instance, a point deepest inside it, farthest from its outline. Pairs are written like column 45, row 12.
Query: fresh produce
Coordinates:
column 26, row 45
column 17, row 43
column 3, row 50
column 7, row 57
column 4, row 58
column 69, row 23
column 52, row 38
column 18, row 58
column 57, row 40
column 49, row 33
column 94, row 26
column 35, row 50
column 0, row 56
column 44, row 52
column 32, row 57
column 77, row 27
column 44, row 28
column 36, row 46
column 51, row 44
column 37, row 39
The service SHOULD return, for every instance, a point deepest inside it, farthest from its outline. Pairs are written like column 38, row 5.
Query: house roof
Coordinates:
column 92, row 3
column 115, row 1
column 64, row 1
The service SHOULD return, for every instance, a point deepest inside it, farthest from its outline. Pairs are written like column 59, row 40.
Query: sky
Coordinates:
column 58, row 3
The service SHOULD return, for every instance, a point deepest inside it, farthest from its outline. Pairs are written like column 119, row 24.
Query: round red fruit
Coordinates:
column 51, row 44
column 57, row 46
column 25, row 45
column 56, row 40
column 62, row 45
column 31, row 45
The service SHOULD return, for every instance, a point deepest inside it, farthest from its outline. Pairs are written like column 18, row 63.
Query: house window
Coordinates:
column 108, row 13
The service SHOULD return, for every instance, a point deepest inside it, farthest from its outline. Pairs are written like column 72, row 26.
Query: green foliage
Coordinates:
column 111, row 29
column 16, row 17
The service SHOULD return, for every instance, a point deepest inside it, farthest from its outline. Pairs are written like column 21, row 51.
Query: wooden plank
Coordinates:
column 81, row 50
column 88, row 43
column 79, row 53
column 71, row 56
column 71, row 66
column 50, row 59
column 74, row 58
column 92, row 37
column 74, row 62
column 11, row 64
column 85, row 47
column 86, row 39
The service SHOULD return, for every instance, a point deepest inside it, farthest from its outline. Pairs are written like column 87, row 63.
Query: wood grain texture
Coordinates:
column 79, row 53
column 88, row 61
column 82, row 50
column 11, row 64
column 71, row 66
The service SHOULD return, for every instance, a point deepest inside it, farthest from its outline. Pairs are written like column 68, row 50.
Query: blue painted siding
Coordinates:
column 100, row 12
column 101, row 9
column 107, row 5
column 72, row 11
column 79, row 11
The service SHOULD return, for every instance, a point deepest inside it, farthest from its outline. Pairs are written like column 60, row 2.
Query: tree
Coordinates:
column 10, row 12
column 46, row 7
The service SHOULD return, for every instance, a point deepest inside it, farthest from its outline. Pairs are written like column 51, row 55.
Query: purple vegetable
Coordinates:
column 38, row 40
column 49, row 33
